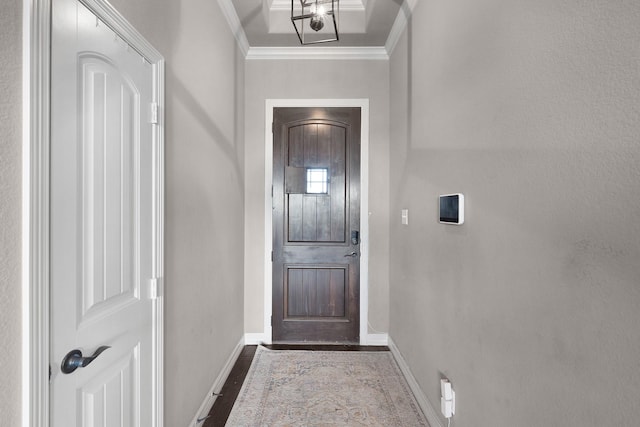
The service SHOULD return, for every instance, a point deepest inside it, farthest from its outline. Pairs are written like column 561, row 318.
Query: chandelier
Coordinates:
column 315, row 21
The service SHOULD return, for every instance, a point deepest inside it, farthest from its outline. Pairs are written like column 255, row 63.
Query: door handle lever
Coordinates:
column 74, row 360
column 352, row 254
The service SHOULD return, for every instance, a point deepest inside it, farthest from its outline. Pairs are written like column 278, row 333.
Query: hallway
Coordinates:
column 528, row 108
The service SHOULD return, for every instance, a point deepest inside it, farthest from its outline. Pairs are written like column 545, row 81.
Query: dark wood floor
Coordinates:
column 229, row 393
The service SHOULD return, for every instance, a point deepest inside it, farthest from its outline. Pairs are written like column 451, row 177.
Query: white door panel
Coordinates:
column 109, row 212
column 111, row 396
column 102, row 219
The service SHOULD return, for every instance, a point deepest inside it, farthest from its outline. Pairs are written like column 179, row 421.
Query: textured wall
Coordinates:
column 310, row 79
column 532, row 307
column 204, row 193
column 10, row 208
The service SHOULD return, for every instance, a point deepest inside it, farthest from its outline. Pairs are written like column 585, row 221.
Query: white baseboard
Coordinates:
column 210, row 399
column 255, row 339
column 376, row 339
column 421, row 398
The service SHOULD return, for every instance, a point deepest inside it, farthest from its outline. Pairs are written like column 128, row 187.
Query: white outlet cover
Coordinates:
column 446, row 407
column 445, row 389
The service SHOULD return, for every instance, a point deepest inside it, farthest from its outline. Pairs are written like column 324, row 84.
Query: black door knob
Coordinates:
column 74, row 360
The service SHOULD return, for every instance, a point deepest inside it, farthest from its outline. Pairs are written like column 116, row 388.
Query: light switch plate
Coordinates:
column 405, row 216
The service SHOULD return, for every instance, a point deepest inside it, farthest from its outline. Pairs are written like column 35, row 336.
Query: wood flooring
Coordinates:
column 222, row 406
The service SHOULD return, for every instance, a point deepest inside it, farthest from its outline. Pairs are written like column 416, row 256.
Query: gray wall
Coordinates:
column 10, row 208
column 204, row 193
column 531, row 308
column 311, row 79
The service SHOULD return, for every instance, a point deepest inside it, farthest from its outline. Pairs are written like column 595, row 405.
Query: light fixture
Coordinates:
column 315, row 21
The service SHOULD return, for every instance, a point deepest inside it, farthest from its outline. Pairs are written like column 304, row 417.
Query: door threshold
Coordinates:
column 325, row 347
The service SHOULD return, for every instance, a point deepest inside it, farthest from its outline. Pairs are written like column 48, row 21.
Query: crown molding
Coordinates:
column 355, row 5
column 315, row 52
column 400, row 24
column 231, row 16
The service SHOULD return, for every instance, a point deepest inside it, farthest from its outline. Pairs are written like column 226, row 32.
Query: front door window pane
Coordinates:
column 317, row 181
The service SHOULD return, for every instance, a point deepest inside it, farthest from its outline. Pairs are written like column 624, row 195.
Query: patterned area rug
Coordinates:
column 325, row 388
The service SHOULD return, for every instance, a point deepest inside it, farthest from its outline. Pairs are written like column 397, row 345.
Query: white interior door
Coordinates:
column 103, row 219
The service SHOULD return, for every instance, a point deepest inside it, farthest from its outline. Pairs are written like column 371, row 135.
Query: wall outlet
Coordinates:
column 445, row 389
column 447, row 398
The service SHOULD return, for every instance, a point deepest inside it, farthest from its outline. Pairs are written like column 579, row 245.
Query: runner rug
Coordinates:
column 324, row 388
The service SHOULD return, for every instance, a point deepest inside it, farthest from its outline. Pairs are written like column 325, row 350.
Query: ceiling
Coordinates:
column 362, row 23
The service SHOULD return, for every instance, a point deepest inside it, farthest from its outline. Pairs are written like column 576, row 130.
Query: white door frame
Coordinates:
column 35, row 204
column 363, row 104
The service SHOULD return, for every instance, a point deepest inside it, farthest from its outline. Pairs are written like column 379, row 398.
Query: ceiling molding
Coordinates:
column 357, row 5
column 231, row 16
column 314, row 52
column 399, row 25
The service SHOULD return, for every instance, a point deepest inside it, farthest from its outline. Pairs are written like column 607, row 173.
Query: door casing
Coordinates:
column 35, row 196
column 363, row 104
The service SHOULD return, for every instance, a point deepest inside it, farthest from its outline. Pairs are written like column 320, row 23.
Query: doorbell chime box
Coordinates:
column 452, row 209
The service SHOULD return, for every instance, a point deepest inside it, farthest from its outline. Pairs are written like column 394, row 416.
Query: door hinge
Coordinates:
column 271, row 256
column 271, row 320
column 273, row 127
column 154, row 288
column 154, row 113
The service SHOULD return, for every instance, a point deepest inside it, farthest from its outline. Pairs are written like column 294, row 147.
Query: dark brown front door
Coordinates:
column 316, row 224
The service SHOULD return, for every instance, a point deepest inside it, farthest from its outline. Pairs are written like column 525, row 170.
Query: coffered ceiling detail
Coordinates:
column 367, row 28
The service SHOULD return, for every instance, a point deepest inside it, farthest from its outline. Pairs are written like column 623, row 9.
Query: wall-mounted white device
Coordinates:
column 447, row 399
column 452, row 209
column 405, row 216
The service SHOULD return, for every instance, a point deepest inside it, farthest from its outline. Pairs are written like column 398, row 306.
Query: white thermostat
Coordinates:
column 452, row 209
